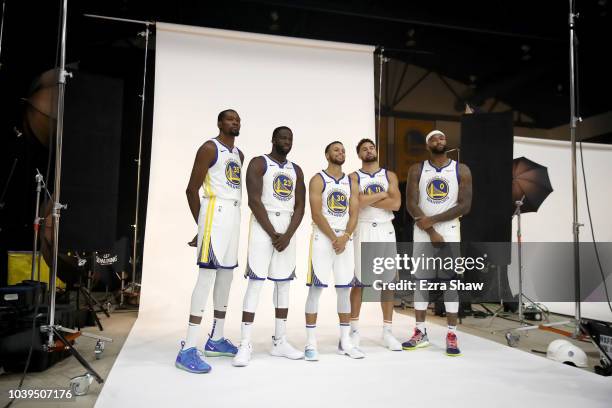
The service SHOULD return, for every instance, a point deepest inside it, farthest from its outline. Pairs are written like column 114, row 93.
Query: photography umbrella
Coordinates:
column 530, row 184
column 530, row 187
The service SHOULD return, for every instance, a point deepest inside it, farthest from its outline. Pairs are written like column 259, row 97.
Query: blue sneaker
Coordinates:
column 218, row 348
column 189, row 360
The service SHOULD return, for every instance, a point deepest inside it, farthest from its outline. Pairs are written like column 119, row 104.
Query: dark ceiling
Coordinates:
column 516, row 51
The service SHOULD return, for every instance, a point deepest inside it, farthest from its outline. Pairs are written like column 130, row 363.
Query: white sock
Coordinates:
column 192, row 336
column 345, row 331
column 387, row 327
column 310, row 335
column 452, row 329
column 354, row 325
column 279, row 327
column 217, row 329
column 245, row 332
column 421, row 327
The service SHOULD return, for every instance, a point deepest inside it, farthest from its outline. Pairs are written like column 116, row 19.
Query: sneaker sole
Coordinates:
column 217, row 354
column 182, row 367
column 418, row 346
column 454, row 355
column 289, row 357
column 240, row 364
column 311, row 358
column 343, row 353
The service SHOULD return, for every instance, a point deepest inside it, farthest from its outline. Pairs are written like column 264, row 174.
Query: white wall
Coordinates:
column 553, row 221
column 324, row 91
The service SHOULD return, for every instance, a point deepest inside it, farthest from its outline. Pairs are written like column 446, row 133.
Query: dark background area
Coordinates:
column 516, row 51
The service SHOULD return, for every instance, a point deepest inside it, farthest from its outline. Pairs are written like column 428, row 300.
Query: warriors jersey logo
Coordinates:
column 337, row 202
column 232, row 173
column 437, row 190
column 373, row 189
column 282, row 186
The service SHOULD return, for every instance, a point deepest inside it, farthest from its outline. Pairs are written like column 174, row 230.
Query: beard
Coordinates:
column 337, row 161
column 281, row 150
column 370, row 159
column 234, row 132
column 439, row 149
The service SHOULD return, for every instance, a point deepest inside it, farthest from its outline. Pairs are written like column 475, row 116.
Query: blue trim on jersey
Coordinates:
column 292, row 277
column 358, row 178
column 324, row 182
column 387, row 175
column 439, row 169
column 281, row 165
column 333, row 178
column 320, row 285
column 371, row 174
column 343, row 286
column 266, row 164
column 211, row 265
column 216, row 156
column 316, row 281
column 457, row 171
column 230, row 149
column 421, row 172
column 250, row 274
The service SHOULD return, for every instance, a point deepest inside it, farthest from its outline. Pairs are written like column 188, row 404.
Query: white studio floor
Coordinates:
column 488, row 374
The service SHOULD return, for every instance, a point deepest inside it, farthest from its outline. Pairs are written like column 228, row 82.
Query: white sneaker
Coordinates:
column 350, row 350
column 391, row 342
column 311, row 353
column 355, row 338
column 282, row 348
column 243, row 356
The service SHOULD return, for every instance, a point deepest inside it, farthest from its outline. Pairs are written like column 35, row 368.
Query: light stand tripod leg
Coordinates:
column 77, row 355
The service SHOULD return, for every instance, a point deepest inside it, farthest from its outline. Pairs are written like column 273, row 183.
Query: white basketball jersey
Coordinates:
column 223, row 179
column 278, row 191
column 370, row 184
column 439, row 188
column 335, row 200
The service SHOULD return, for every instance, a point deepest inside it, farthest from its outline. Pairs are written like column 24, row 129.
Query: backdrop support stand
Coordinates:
column 574, row 119
column 53, row 330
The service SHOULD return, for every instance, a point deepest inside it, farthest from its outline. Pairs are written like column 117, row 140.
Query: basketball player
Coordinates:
column 379, row 196
column 438, row 192
column 334, row 204
column 276, row 197
column 217, row 169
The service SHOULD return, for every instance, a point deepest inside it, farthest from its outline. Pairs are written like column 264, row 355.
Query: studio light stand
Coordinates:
column 574, row 119
column 519, row 240
column 40, row 184
column 53, row 330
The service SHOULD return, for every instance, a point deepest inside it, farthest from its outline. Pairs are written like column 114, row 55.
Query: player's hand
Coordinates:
column 424, row 223
column 282, row 242
column 436, row 239
column 339, row 244
column 193, row 242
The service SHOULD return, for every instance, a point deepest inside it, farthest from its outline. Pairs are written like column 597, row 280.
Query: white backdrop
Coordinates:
column 323, row 91
column 553, row 221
